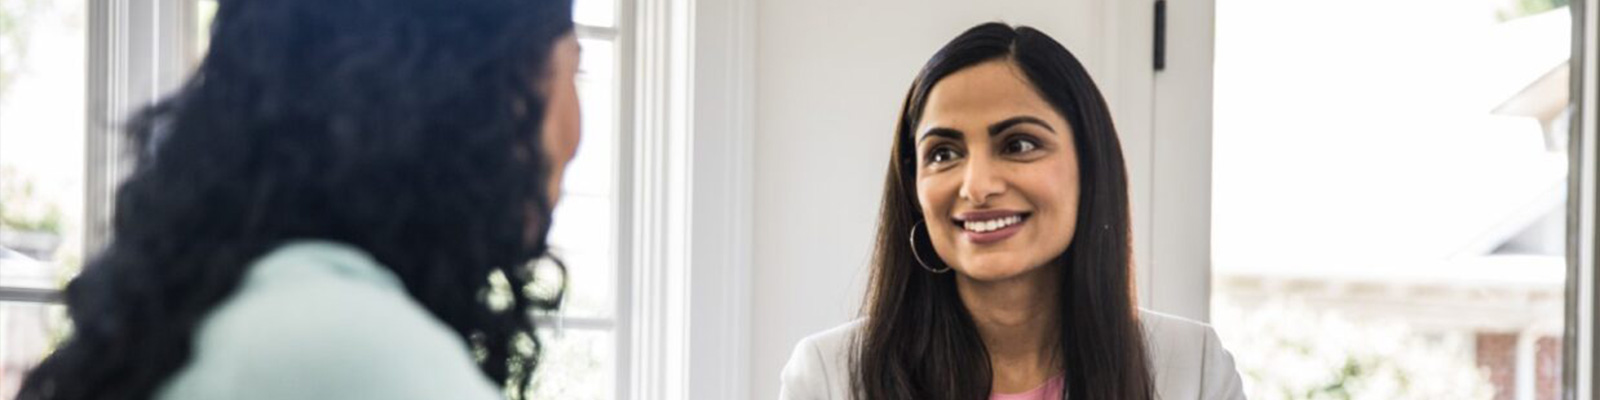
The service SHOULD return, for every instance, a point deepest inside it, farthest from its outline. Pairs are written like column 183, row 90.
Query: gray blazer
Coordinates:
column 1189, row 362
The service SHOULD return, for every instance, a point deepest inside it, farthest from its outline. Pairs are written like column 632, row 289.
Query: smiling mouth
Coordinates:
column 991, row 224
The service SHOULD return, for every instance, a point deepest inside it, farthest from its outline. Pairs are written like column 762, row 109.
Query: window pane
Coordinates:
column 595, row 12
column 578, row 365
column 1389, row 200
column 42, row 113
column 583, row 237
column 593, row 170
column 204, row 12
column 27, row 332
column 591, row 284
column 584, row 232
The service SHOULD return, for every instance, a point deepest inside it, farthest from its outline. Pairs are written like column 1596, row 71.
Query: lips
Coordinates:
column 990, row 226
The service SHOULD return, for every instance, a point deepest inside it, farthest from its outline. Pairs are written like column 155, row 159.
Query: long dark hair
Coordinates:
column 920, row 341
column 410, row 129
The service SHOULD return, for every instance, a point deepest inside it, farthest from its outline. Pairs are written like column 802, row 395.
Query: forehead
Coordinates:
column 982, row 94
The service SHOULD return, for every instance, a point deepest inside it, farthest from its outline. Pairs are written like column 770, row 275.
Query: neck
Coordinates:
column 1017, row 318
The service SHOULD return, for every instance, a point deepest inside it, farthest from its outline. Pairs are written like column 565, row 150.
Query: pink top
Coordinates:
column 1050, row 390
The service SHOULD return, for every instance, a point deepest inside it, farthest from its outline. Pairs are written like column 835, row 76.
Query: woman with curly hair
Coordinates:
column 332, row 207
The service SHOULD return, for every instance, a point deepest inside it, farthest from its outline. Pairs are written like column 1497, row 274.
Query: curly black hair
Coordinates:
column 407, row 128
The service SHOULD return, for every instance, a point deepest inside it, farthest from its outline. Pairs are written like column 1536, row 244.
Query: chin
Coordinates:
column 985, row 270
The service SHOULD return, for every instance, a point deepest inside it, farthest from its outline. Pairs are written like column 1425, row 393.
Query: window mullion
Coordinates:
column 580, row 323
column 29, row 295
column 590, row 32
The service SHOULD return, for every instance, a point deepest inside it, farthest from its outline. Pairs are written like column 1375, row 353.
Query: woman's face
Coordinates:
column 562, row 120
column 997, row 173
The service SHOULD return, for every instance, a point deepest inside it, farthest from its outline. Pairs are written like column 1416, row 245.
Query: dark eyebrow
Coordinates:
column 994, row 129
column 1018, row 120
column 947, row 133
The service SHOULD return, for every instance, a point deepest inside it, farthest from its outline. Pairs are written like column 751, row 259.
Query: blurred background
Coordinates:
column 1389, row 196
column 1367, row 198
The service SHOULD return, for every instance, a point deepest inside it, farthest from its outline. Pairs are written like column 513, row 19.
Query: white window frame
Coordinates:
column 136, row 55
column 1583, row 273
column 613, row 323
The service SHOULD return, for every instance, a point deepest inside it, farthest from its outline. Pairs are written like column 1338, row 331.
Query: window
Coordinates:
column 42, row 109
column 50, row 196
column 581, row 361
column 1390, row 201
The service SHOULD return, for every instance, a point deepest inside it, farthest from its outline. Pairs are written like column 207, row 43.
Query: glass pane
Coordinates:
column 593, row 170
column 583, row 224
column 578, row 365
column 42, row 113
column 595, row 12
column 584, row 231
column 1389, row 196
column 583, row 237
column 204, row 12
column 28, row 331
column 591, row 284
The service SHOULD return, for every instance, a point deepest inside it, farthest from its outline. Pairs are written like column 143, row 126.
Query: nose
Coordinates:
column 981, row 181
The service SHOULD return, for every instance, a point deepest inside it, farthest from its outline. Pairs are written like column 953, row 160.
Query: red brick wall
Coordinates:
column 1548, row 362
column 1497, row 352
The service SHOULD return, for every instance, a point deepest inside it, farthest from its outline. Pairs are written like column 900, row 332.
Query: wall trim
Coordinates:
column 688, row 278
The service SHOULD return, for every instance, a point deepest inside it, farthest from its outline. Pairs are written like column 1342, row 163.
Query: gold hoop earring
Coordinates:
column 918, row 256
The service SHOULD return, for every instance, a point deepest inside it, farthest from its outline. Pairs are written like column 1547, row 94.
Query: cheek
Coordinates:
column 561, row 134
column 936, row 195
column 1057, row 192
column 563, row 126
column 572, row 117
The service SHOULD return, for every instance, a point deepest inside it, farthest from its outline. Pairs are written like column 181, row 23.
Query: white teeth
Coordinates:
column 993, row 224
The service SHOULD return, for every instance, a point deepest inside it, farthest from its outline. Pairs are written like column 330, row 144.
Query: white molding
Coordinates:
column 722, row 194
column 1180, row 210
column 1583, row 216
column 1163, row 119
column 692, row 144
column 1127, row 79
column 626, row 95
column 655, row 319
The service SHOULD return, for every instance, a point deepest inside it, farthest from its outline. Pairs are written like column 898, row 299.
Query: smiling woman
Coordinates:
column 1006, row 154
column 1017, row 168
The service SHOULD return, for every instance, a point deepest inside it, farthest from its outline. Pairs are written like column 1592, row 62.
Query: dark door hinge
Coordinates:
column 1160, row 44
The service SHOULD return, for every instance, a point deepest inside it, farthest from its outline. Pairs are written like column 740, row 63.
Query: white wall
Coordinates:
column 830, row 77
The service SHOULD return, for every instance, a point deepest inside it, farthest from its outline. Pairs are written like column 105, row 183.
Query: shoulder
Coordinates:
column 318, row 298
column 837, row 340
column 1188, row 359
column 819, row 367
column 1161, row 327
column 313, row 322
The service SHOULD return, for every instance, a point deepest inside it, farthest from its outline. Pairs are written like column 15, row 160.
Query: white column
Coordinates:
column 1526, row 365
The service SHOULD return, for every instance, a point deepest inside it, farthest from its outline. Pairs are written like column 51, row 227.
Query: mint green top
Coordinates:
column 322, row 320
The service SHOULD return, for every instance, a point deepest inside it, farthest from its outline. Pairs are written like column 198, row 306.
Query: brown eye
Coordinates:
column 942, row 154
column 1021, row 145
